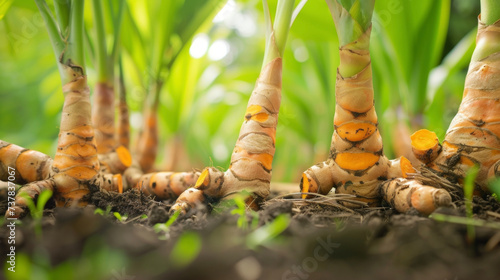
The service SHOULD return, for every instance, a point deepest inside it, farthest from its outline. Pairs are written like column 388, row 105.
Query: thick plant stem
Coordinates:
column 473, row 137
column 252, row 157
column 490, row 11
column 277, row 38
column 251, row 161
column 147, row 144
column 75, row 170
column 76, row 165
column 357, row 164
column 101, row 50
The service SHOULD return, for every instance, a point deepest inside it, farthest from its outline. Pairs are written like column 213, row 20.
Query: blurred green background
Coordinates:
column 420, row 52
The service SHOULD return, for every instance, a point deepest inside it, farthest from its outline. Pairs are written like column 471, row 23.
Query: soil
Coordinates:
column 318, row 241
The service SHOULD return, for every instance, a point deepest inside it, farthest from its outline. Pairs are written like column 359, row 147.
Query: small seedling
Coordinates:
column 495, row 188
column 271, row 231
column 240, row 209
column 101, row 212
column 120, row 217
column 36, row 211
column 165, row 227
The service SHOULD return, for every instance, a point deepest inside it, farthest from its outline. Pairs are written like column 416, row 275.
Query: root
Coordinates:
column 29, row 165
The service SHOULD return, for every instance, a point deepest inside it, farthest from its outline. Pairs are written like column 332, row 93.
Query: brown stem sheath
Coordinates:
column 147, row 144
column 103, row 117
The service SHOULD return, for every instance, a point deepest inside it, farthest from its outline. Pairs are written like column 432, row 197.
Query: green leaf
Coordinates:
column 119, row 217
column 42, row 200
column 457, row 59
column 427, row 55
column 314, row 23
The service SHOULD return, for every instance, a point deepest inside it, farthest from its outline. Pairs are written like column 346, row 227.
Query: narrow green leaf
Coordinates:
column 426, row 55
column 42, row 200
column 117, row 27
column 50, row 23
column 457, row 59
column 172, row 219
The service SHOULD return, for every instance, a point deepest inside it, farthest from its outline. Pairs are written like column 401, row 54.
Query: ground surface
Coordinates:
column 285, row 240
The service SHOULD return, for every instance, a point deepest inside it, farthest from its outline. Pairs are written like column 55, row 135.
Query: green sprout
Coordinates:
column 36, row 211
column 241, row 210
column 271, row 231
column 495, row 188
column 120, row 217
column 165, row 227
column 101, row 212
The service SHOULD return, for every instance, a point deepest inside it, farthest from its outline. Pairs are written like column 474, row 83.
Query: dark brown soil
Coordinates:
column 319, row 242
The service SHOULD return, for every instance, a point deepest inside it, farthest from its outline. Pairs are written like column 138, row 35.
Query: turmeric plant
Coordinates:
column 252, row 157
column 103, row 113
column 75, row 170
column 357, row 164
column 179, row 20
column 473, row 137
column 114, row 157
